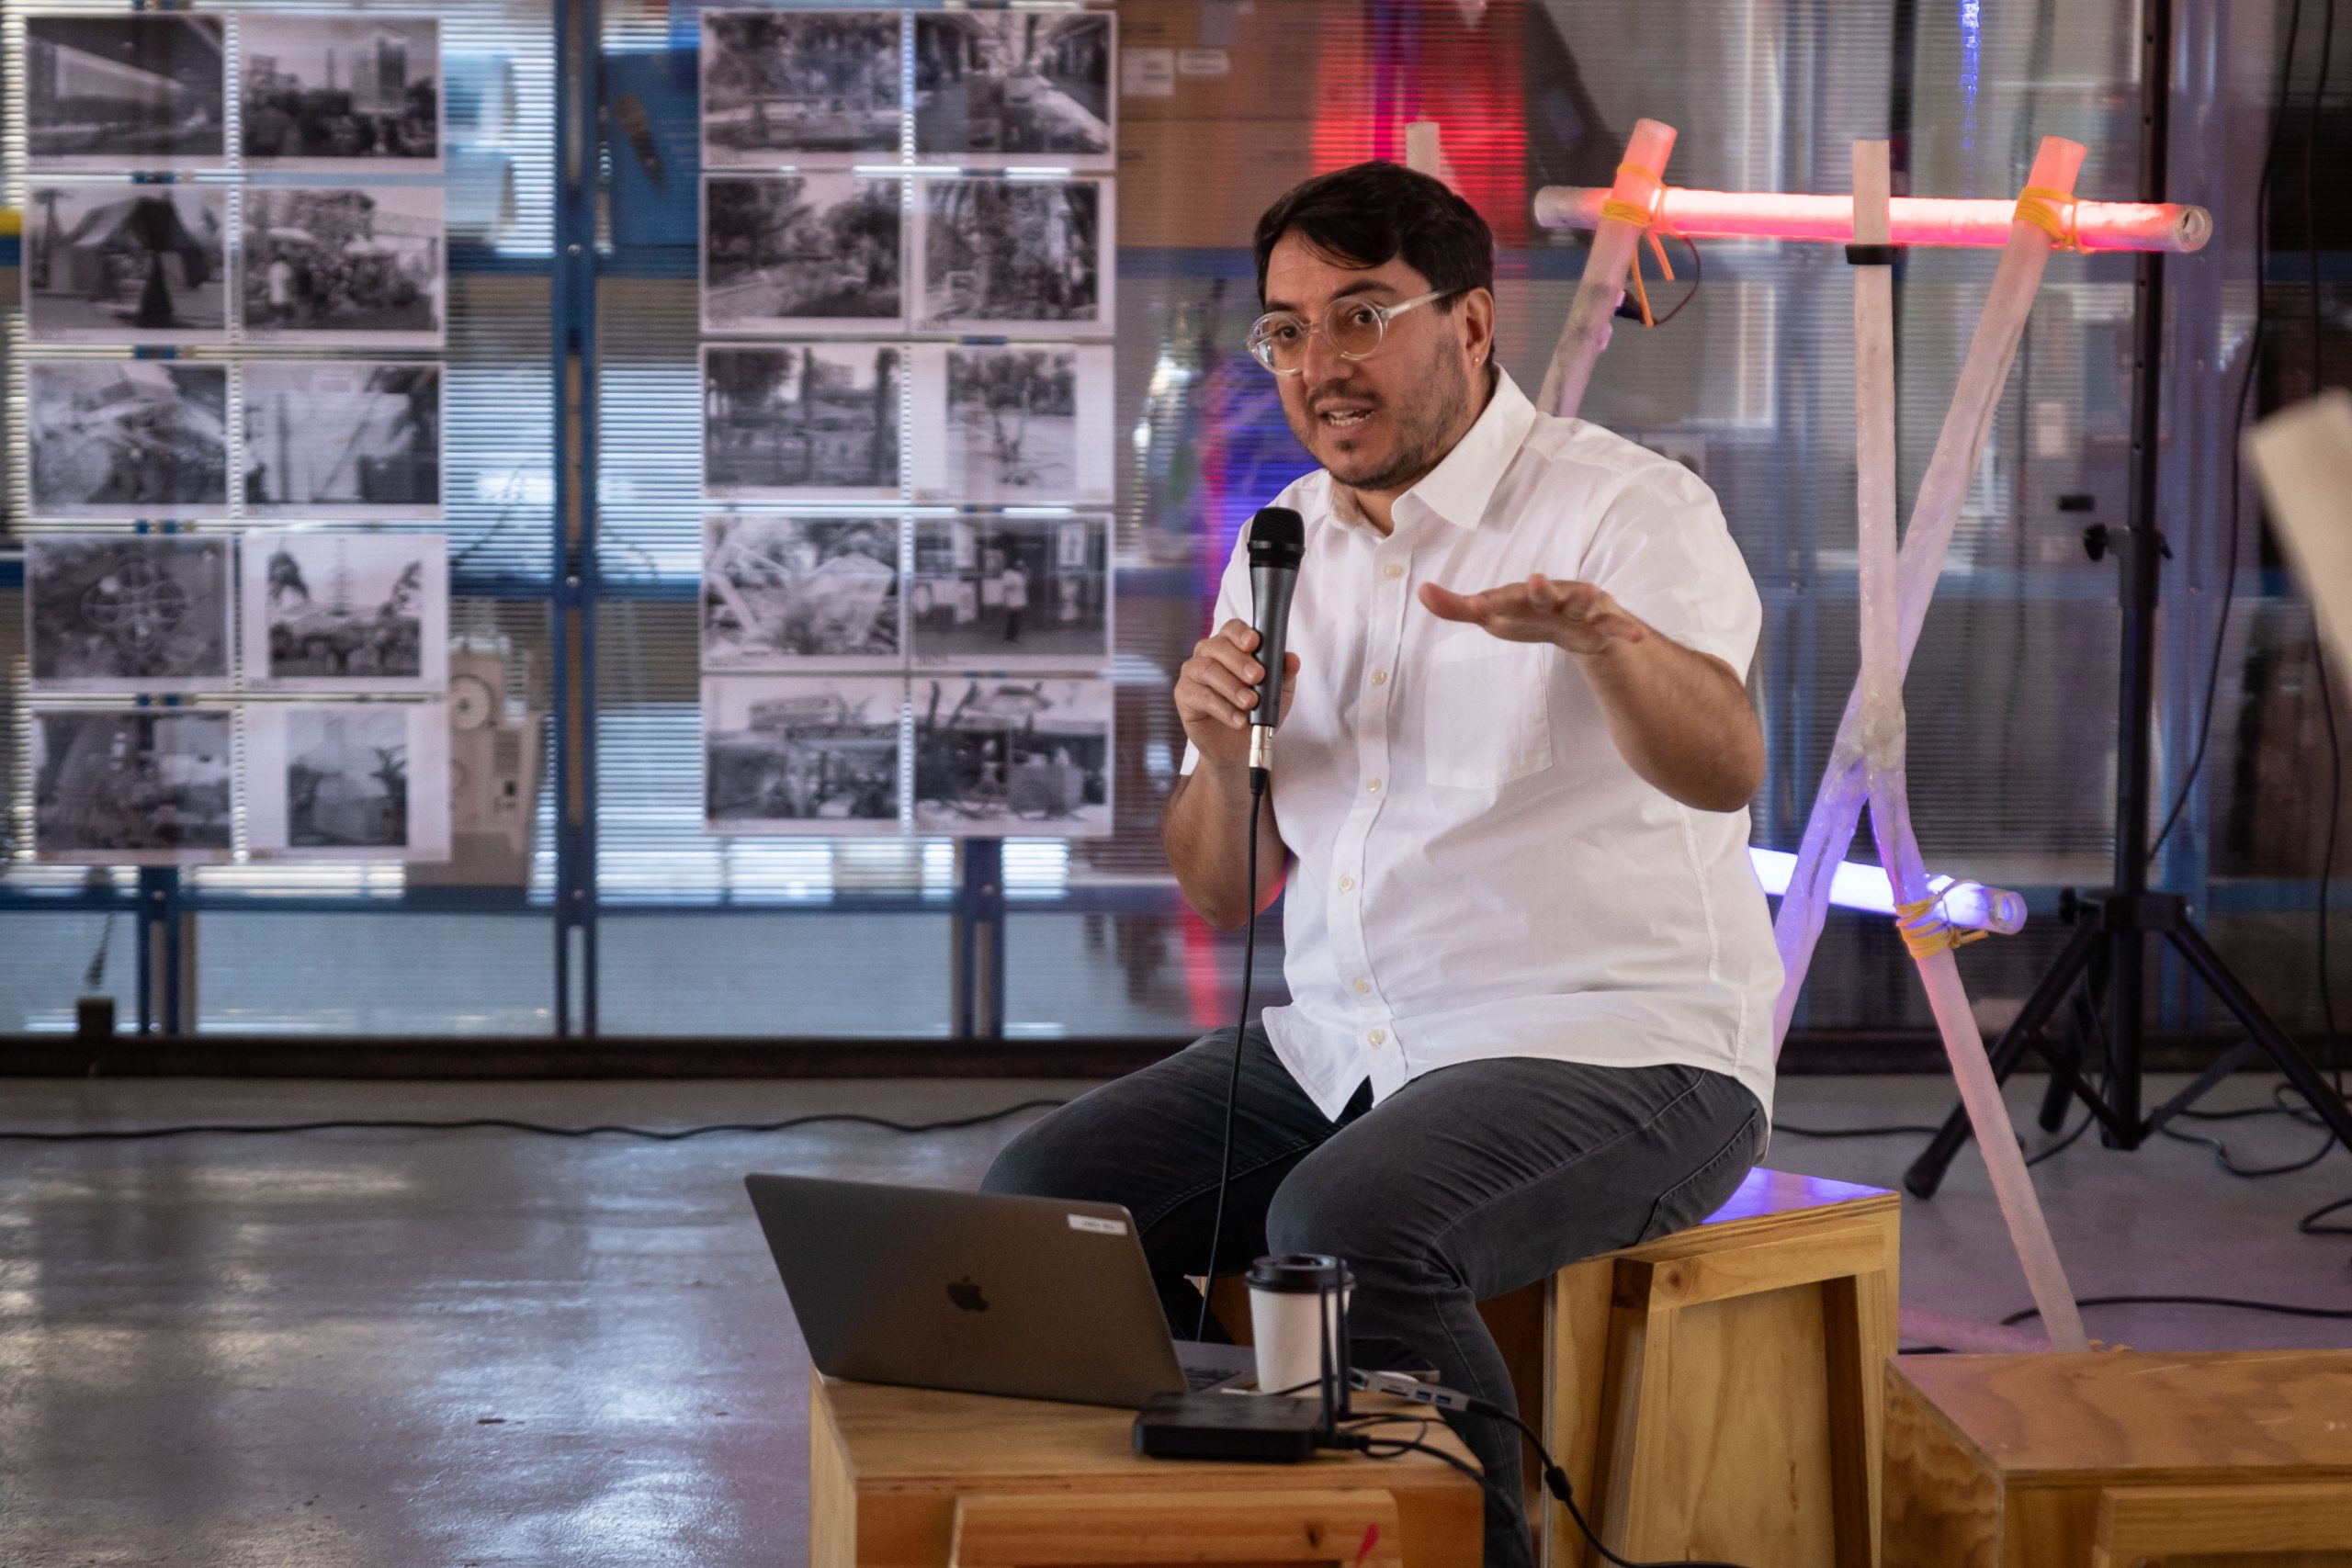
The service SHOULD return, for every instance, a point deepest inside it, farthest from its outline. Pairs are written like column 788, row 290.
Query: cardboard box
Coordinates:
column 1194, row 59
column 1204, row 183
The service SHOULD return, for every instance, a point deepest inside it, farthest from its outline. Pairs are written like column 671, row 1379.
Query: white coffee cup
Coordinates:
column 1283, row 1324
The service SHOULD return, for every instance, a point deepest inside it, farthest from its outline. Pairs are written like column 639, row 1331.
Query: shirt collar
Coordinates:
column 1458, row 489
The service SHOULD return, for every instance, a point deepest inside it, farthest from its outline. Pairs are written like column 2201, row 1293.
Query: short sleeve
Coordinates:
column 1663, row 551
column 1232, row 603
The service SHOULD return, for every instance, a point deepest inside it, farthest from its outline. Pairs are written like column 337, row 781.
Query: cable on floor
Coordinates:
column 1891, row 1130
column 2239, row 1304
column 502, row 1123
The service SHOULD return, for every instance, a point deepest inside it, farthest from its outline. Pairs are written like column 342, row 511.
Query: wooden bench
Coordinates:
column 916, row 1478
column 2215, row 1458
column 1716, row 1392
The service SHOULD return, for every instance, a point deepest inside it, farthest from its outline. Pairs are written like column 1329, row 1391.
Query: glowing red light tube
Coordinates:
column 1913, row 219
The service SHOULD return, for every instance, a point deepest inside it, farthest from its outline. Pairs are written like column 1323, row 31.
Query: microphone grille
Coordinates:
column 1277, row 538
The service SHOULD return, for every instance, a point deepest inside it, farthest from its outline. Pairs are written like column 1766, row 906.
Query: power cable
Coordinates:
column 2245, row 391
column 1556, row 1480
column 2319, row 651
column 2240, row 1303
column 657, row 1134
column 1892, row 1129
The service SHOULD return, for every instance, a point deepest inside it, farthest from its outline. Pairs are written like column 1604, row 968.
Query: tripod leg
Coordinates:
column 2065, row 1077
column 2069, row 1059
column 1927, row 1172
column 2309, row 1081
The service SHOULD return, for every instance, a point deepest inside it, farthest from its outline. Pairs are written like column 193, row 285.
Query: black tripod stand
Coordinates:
column 2112, row 925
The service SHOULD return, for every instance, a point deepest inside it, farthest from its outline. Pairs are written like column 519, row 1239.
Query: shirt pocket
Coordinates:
column 1489, row 717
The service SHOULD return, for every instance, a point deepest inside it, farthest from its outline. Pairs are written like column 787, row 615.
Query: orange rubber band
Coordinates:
column 2052, row 212
column 1927, row 931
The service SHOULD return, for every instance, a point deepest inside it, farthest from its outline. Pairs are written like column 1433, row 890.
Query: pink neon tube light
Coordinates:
column 1913, row 220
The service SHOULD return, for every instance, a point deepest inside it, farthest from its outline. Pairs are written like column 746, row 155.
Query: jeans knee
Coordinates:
column 1313, row 1214
column 1034, row 1165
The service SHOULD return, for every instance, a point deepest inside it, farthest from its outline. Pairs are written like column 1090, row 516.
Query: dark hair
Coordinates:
column 1367, row 215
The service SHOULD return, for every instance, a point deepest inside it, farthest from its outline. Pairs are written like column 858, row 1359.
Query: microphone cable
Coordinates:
column 1240, row 1033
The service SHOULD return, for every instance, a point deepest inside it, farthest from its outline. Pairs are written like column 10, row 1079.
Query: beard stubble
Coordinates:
column 1425, row 428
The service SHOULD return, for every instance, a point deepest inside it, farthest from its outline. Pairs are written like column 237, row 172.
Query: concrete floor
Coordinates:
column 415, row 1350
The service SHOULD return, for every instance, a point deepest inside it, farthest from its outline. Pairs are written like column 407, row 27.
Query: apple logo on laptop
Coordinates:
column 966, row 1295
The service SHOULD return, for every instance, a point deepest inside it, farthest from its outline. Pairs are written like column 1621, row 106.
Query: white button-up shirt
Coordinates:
column 1479, row 872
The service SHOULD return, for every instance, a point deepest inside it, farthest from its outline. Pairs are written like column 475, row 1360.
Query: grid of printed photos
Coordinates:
column 906, row 409
column 313, row 251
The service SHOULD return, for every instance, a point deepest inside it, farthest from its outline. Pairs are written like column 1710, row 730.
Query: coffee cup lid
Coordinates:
column 1302, row 1273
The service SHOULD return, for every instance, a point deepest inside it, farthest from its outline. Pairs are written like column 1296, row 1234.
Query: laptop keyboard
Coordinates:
column 1198, row 1379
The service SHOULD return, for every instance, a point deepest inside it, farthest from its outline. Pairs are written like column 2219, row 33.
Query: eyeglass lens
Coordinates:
column 1353, row 327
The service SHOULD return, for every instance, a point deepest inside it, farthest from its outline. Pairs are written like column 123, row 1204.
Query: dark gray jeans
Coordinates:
column 1468, row 1182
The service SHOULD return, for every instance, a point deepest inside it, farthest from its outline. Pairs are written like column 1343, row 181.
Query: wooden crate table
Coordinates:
column 2194, row 1460
column 914, row 1478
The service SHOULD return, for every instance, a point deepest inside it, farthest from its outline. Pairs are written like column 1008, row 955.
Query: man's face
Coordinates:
column 1379, row 425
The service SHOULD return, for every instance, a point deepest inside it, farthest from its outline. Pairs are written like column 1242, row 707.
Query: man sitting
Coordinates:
column 1532, row 971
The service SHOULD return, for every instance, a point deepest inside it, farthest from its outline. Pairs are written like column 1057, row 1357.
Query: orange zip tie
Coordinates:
column 1644, row 218
column 1927, row 931
column 2052, row 212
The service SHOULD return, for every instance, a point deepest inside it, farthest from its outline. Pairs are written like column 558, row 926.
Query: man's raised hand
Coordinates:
column 1215, row 691
column 1574, row 615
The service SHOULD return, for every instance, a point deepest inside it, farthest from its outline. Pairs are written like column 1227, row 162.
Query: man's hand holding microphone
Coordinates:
column 1230, row 696
column 1216, row 691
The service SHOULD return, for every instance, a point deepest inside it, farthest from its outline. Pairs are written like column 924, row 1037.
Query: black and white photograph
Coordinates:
column 320, row 611
column 995, row 593
column 337, row 438
column 350, row 267
column 1010, row 256
column 122, row 786
column 799, row 89
column 145, row 439
column 782, row 592
column 1013, row 425
column 801, row 421
column 141, row 92
column 126, row 263
column 1003, row 758
column 334, row 95
column 347, row 780
column 999, row 88
column 816, row 252
column 128, row 613
column 804, row 755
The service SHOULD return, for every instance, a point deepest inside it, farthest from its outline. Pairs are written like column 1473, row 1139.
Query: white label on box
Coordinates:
column 1203, row 63
column 1148, row 73
column 1099, row 1227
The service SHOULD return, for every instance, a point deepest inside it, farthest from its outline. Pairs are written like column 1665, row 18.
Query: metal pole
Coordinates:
column 2136, row 682
column 572, row 601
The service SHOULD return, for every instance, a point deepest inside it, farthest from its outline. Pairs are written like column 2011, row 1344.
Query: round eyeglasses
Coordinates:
column 1356, row 328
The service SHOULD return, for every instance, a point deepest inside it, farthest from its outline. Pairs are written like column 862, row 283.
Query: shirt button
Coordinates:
column 1393, row 568
column 1380, row 677
column 1363, row 986
column 1347, row 884
column 1378, row 1037
column 1372, row 785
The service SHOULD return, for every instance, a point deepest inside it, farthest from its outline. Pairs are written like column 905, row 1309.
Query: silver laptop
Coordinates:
column 978, row 1292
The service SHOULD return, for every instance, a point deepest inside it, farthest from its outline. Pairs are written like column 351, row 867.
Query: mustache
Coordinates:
column 1317, row 403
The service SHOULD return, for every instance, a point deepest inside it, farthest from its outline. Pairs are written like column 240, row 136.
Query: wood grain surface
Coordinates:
column 896, row 1473
column 2193, row 1460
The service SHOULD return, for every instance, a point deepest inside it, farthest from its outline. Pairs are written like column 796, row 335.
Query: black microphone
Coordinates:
column 1277, row 544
